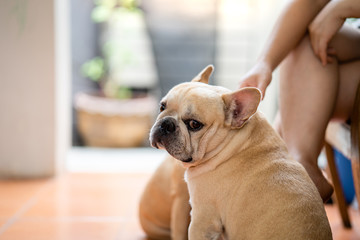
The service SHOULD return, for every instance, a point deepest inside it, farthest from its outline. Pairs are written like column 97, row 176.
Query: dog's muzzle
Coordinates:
column 163, row 132
column 167, row 126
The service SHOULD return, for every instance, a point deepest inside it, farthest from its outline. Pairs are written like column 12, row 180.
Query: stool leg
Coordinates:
column 356, row 176
column 355, row 144
column 340, row 199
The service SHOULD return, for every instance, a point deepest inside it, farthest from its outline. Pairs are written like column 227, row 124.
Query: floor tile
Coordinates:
column 3, row 221
column 15, row 194
column 93, row 206
column 90, row 195
column 339, row 232
column 131, row 231
column 61, row 230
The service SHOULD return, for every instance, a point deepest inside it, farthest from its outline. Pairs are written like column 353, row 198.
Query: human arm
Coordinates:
column 327, row 23
column 289, row 29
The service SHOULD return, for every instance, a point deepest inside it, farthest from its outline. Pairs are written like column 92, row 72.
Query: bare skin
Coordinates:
column 319, row 75
column 310, row 96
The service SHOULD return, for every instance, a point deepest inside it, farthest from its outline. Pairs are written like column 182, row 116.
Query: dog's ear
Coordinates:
column 241, row 105
column 204, row 75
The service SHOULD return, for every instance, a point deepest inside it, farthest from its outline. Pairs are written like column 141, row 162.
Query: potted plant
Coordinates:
column 121, row 112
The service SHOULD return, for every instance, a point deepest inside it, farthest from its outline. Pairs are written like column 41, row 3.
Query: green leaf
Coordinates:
column 94, row 69
column 101, row 13
column 124, row 93
column 107, row 3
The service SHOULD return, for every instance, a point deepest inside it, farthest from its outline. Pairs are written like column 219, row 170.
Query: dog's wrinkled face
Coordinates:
column 188, row 112
column 195, row 117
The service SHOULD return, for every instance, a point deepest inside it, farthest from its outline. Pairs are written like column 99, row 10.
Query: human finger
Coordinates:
column 331, row 51
column 314, row 44
column 322, row 53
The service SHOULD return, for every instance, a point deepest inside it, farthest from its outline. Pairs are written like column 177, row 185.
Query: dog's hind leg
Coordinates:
column 154, row 231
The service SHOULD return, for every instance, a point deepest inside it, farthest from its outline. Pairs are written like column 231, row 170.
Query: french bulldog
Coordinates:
column 164, row 208
column 241, row 180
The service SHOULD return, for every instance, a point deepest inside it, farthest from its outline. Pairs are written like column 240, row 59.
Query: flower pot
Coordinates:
column 106, row 122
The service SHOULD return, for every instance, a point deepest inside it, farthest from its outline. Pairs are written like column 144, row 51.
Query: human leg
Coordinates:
column 308, row 93
column 311, row 95
column 346, row 44
column 348, row 84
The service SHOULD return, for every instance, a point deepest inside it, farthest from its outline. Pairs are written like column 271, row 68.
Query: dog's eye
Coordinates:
column 193, row 125
column 162, row 106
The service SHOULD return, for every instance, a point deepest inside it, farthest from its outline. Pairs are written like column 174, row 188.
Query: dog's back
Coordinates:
column 277, row 201
column 261, row 193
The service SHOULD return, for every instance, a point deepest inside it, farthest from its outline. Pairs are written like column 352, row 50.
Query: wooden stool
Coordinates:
column 345, row 138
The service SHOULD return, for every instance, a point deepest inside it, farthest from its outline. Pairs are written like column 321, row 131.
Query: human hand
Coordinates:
column 323, row 28
column 259, row 76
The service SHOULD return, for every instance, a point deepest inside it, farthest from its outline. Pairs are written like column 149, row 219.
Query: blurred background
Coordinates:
column 81, row 79
column 79, row 90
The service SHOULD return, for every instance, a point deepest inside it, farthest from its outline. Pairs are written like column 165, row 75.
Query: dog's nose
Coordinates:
column 167, row 126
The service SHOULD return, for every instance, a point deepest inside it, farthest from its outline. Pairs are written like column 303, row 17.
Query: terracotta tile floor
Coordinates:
column 90, row 206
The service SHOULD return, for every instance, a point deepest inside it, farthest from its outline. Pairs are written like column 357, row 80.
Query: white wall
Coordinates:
column 243, row 27
column 33, row 133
